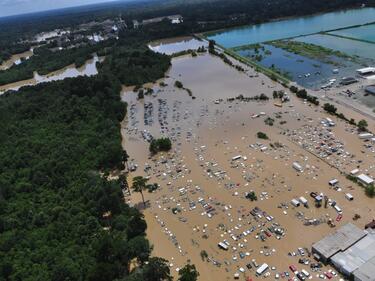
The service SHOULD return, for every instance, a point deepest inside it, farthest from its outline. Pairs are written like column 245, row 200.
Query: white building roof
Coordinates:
column 366, row 179
column 366, row 70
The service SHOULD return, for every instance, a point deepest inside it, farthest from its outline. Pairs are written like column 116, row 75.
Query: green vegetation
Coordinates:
column 242, row 98
column 178, row 84
column 362, row 125
column 251, row 196
column 302, row 94
column 310, row 50
column 7, row 51
column 135, row 65
column 139, row 185
column 347, row 37
column 193, row 53
column 60, row 219
column 269, row 72
column 212, row 51
column 269, row 121
column 369, row 189
column 162, row 144
column 188, row 273
column 45, row 61
column 262, row 135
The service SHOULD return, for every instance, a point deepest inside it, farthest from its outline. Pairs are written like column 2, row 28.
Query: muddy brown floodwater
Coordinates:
column 15, row 59
column 88, row 69
column 201, row 200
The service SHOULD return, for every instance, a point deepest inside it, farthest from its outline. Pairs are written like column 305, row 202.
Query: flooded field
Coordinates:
column 351, row 47
column 16, row 59
column 175, row 45
column 310, row 73
column 366, row 32
column 217, row 161
column 292, row 27
column 70, row 71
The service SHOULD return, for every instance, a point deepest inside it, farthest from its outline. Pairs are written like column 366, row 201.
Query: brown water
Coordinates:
column 16, row 59
column 206, row 134
column 89, row 69
column 175, row 45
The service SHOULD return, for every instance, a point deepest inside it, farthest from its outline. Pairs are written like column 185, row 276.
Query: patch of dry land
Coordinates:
column 201, row 200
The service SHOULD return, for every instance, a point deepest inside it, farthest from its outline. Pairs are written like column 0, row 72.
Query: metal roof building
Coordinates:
column 366, row 272
column 356, row 256
column 351, row 250
column 339, row 241
column 370, row 89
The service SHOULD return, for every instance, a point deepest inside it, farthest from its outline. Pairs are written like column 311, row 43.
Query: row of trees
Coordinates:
column 331, row 109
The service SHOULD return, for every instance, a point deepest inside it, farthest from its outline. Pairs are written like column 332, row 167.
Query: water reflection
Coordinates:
column 89, row 69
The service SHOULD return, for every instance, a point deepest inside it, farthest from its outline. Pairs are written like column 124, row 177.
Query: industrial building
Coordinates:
column 367, row 72
column 370, row 89
column 351, row 250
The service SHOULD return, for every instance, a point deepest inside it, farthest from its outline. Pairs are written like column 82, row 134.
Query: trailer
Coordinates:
column 262, row 269
column 354, row 172
column 238, row 157
column 297, row 167
column 333, row 182
column 338, row 209
column 349, row 196
column 365, row 136
column 295, row 202
column 303, row 201
column 223, row 246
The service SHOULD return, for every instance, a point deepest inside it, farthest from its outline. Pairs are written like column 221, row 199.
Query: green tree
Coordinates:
column 262, row 135
column 125, row 158
column 362, row 125
column 157, row 269
column 370, row 190
column 178, row 84
column 139, row 185
column 330, row 108
column 188, row 273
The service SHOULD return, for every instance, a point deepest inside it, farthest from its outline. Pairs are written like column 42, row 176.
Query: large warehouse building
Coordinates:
column 351, row 250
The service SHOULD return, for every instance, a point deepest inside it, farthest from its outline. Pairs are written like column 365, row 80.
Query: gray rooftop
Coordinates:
column 340, row 240
column 366, row 272
column 357, row 255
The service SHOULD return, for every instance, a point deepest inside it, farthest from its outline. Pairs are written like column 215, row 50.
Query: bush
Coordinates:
column 251, row 196
column 362, row 125
column 162, row 144
column 178, row 84
column 262, row 135
column 330, row 108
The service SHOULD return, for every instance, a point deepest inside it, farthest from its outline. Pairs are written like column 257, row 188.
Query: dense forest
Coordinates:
column 135, row 65
column 60, row 218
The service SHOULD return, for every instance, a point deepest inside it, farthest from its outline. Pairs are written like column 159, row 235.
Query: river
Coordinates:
column 293, row 27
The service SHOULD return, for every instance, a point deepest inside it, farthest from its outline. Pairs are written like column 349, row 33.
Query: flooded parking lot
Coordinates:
column 208, row 181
